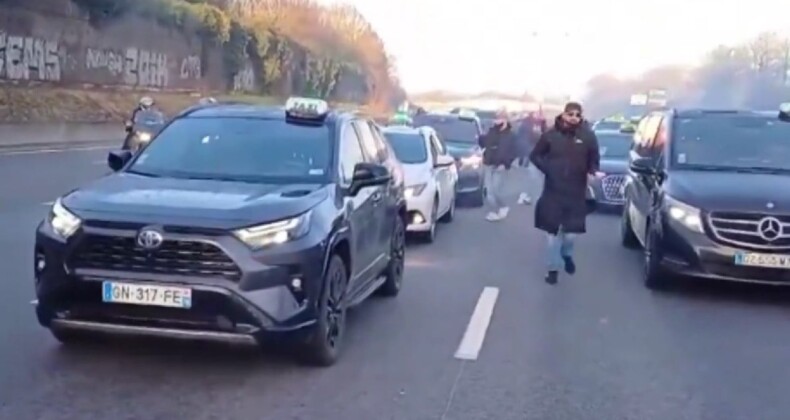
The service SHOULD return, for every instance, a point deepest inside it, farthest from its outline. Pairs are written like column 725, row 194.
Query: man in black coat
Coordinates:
column 568, row 156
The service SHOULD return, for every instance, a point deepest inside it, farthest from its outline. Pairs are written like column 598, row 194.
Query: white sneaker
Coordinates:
column 503, row 212
column 524, row 198
column 494, row 217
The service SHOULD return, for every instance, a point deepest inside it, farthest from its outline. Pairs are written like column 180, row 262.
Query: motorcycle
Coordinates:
column 146, row 126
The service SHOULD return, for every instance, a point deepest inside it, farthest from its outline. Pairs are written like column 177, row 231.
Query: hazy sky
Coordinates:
column 516, row 45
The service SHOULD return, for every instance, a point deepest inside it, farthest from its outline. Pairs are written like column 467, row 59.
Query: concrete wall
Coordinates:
column 49, row 41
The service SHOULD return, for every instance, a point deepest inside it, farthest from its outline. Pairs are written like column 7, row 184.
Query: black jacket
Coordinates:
column 499, row 146
column 565, row 158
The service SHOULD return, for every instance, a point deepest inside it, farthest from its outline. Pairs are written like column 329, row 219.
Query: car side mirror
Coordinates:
column 116, row 160
column 643, row 166
column 368, row 175
column 444, row 161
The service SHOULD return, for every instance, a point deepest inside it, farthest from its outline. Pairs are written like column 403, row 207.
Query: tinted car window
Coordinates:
column 409, row 148
column 613, row 145
column 240, row 149
column 731, row 141
column 350, row 153
column 450, row 129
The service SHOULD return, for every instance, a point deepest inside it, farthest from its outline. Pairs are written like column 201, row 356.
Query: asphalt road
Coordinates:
column 597, row 346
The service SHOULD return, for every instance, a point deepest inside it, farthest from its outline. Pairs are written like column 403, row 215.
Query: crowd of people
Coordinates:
column 567, row 156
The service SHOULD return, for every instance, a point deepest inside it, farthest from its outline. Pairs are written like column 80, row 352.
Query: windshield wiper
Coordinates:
column 763, row 170
column 146, row 174
column 711, row 168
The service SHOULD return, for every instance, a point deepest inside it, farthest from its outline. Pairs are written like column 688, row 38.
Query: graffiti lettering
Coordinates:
column 28, row 58
column 145, row 68
column 190, row 67
column 104, row 59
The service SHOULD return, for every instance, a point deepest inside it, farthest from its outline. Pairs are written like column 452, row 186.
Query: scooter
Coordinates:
column 140, row 132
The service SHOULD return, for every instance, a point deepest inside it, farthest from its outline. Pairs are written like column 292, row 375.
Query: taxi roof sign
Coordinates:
column 307, row 108
column 784, row 107
column 466, row 113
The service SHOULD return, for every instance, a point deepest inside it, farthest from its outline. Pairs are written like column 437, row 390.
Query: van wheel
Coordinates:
column 653, row 275
column 325, row 341
column 393, row 276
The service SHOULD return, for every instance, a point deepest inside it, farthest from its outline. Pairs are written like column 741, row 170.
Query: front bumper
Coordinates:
column 696, row 255
column 265, row 294
column 470, row 179
column 419, row 210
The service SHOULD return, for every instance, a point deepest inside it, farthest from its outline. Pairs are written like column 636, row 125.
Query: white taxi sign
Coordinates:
column 465, row 113
column 785, row 107
column 306, row 107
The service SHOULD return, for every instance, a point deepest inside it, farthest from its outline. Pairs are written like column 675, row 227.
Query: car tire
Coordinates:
column 450, row 215
column 393, row 275
column 628, row 238
column 653, row 275
column 326, row 338
column 430, row 236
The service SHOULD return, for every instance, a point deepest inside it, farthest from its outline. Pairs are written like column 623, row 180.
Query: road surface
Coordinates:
column 596, row 346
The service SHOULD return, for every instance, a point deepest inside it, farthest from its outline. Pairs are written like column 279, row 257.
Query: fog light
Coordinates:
column 418, row 219
column 296, row 284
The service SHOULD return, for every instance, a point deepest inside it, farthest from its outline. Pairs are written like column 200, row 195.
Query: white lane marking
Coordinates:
column 475, row 333
column 48, row 203
column 43, row 151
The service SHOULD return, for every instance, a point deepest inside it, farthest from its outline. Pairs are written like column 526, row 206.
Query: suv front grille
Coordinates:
column 176, row 257
column 743, row 230
column 612, row 186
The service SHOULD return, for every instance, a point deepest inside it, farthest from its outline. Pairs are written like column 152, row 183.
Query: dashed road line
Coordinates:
column 55, row 150
column 475, row 334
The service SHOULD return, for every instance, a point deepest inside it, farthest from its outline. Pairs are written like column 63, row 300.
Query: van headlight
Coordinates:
column 275, row 233
column 685, row 214
column 415, row 190
column 62, row 221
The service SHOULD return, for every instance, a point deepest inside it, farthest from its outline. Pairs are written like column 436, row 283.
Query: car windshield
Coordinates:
column 450, row 129
column 408, row 147
column 150, row 117
column 608, row 125
column 614, row 145
column 731, row 142
column 238, row 149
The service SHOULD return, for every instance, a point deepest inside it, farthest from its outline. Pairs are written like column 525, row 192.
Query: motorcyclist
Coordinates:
column 146, row 103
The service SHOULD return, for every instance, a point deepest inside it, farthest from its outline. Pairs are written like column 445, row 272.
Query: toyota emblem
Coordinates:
column 149, row 239
column 770, row 228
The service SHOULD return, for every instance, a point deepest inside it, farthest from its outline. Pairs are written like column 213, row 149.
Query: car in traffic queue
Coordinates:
column 237, row 223
column 430, row 178
column 460, row 133
column 608, row 124
column 613, row 148
column 708, row 196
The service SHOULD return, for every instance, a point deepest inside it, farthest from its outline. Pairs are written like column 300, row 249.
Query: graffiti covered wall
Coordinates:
column 64, row 49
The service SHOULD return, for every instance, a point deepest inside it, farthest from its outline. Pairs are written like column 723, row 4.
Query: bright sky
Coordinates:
column 517, row 45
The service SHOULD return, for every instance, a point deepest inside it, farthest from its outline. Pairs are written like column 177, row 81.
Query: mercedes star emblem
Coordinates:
column 149, row 239
column 770, row 228
column 769, row 205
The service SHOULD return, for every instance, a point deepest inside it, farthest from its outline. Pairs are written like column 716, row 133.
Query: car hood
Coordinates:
column 459, row 152
column 614, row 166
column 730, row 191
column 132, row 198
column 416, row 173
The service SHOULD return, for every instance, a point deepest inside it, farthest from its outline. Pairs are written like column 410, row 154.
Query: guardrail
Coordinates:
column 59, row 135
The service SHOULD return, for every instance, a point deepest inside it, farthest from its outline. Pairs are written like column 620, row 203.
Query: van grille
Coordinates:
column 749, row 230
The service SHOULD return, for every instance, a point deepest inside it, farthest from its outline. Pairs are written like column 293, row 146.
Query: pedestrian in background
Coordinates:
column 529, row 133
column 499, row 154
column 567, row 154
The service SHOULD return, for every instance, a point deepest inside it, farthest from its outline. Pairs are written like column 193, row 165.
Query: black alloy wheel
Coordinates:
column 325, row 341
column 393, row 276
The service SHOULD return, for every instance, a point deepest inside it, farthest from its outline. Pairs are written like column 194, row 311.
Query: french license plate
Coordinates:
column 762, row 260
column 148, row 295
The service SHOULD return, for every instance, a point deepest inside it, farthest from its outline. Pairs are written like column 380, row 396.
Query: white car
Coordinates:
column 430, row 176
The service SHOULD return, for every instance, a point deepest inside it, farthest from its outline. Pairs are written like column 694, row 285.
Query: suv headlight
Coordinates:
column 415, row 190
column 685, row 214
column 275, row 233
column 62, row 221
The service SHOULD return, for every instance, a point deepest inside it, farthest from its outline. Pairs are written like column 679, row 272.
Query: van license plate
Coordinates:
column 147, row 295
column 762, row 260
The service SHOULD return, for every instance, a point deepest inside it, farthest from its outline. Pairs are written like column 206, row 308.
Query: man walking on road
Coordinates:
column 568, row 156
column 529, row 132
column 499, row 152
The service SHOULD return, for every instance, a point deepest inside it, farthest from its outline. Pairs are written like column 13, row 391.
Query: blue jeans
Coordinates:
column 559, row 246
column 494, row 180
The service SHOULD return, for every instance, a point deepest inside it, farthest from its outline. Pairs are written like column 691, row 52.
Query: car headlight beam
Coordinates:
column 62, row 221
column 275, row 233
column 687, row 215
column 144, row 136
column 415, row 190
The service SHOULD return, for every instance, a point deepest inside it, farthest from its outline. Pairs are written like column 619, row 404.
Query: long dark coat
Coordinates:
column 565, row 158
